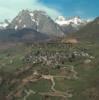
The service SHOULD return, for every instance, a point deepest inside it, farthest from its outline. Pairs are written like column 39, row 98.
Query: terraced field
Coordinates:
column 50, row 71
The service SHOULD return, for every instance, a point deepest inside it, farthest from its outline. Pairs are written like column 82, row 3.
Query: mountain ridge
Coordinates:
column 71, row 24
column 41, row 22
column 37, row 20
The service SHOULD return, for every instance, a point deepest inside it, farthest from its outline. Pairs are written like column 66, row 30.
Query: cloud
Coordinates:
column 10, row 8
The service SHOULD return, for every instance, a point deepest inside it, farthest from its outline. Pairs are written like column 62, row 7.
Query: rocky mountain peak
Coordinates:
column 37, row 20
column 39, row 12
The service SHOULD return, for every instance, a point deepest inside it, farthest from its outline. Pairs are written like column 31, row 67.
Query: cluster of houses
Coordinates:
column 56, row 55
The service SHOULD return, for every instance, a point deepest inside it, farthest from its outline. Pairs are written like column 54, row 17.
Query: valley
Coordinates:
column 49, row 71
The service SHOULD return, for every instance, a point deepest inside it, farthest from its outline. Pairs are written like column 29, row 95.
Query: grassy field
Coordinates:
column 17, row 64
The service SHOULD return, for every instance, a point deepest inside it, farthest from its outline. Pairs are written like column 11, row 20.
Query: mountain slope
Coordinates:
column 22, row 35
column 37, row 20
column 71, row 24
column 89, row 32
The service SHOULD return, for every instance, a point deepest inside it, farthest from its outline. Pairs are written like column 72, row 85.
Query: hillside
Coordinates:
column 23, row 35
column 90, row 32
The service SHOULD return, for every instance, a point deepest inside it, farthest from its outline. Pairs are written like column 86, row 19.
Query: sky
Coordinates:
column 84, row 8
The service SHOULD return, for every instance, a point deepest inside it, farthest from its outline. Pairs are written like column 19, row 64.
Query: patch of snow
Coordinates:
column 74, row 21
column 24, row 26
column 62, row 22
column 31, row 14
column 16, row 27
column 33, row 20
column 3, row 25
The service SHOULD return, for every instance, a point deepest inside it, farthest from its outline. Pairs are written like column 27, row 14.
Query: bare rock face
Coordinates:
column 37, row 20
column 23, row 20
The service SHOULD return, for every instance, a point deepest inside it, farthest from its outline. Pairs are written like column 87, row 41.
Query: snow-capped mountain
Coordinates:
column 40, row 22
column 4, row 24
column 71, row 24
column 67, row 21
column 37, row 20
